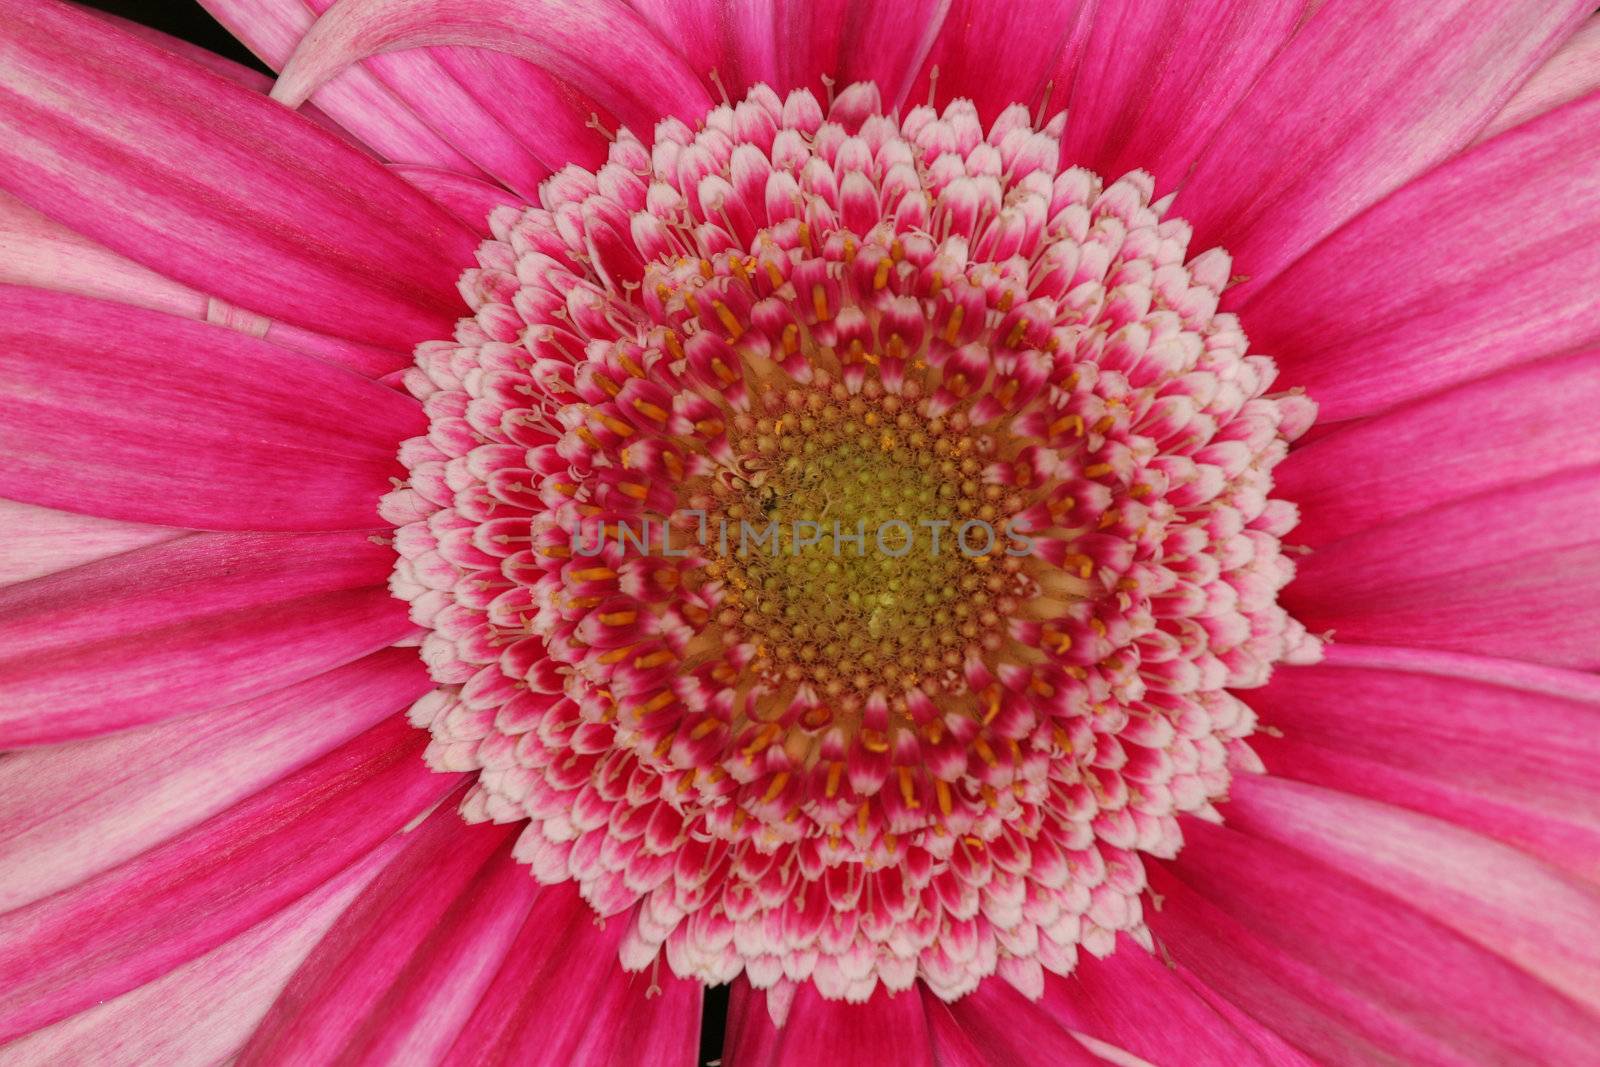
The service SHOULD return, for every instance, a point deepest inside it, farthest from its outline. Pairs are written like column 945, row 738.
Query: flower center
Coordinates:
column 837, row 536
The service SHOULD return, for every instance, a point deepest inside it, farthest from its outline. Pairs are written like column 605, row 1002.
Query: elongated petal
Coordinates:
column 1505, row 749
column 370, row 948
column 1434, row 994
column 885, row 1029
column 1504, row 573
column 202, row 1012
column 70, row 811
column 1334, row 1024
column 561, row 997
column 211, row 184
column 1002, row 52
column 1373, row 317
column 1136, row 1002
column 1005, row 1027
column 1158, row 79
column 37, row 251
column 356, row 99
column 36, row 541
column 468, row 199
column 130, row 414
column 185, row 625
column 181, row 900
column 645, row 80
column 1573, row 72
column 1524, row 423
column 1364, row 98
column 1506, row 901
column 423, row 1012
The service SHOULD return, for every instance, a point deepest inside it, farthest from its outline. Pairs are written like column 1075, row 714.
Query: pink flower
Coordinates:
column 379, row 683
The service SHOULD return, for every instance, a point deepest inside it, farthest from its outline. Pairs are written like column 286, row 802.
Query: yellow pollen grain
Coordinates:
column 779, row 782
column 654, row 412
column 655, row 703
column 616, row 425
column 941, row 790
column 880, row 277
column 619, row 618
column 819, row 303
column 659, row 658
column 730, row 321
column 835, row 773
column 703, row 729
column 634, row 489
column 1097, row 470
column 908, row 788
column 952, row 328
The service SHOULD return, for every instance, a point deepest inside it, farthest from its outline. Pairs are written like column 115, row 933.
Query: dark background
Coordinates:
column 190, row 21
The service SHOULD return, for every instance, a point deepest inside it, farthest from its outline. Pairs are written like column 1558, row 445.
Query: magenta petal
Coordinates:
column 1507, row 902
column 357, row 100
column 1138, row 1003
column 561, row 997
column 1573, row 72
column 37, row 251
column 886, row 1029
column 37, row 541
column 1505, row 749
column 1363, row 98
column 1509, row 573
column 1406, row 981
column 1004, row 1027
column 203, row 1011
column 215, row 186
column 468, row 199
column 70, row 811
column 130, row 414
column 186, row 625
column 644, row 81
column 1374, row 316
column 1528, row 422
column 441, row 867
column 1157, row 79
column 182, row 899
column 1001, row 52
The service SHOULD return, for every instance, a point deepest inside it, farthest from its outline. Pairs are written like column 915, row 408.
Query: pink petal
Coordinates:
column 356, row 99
column 468, row 199
column 1507, row 902
column 1402, row 979
column 1505, row 749
column 1528, row 422
column 422, row 1014
column 1365, row 97
column 200, row 1013
column 886, row 1029
column 887, row 44
column 1001, row 52
column 214, row 186
column 1004, row 1027
column 1573, row 72
column 645, row 81
column 36, row 541
column 561, row 997
column 1138, row 1003
column 1505, row 573
column 1334, row 1023
column 71, row 811
column 1374, row 316
column 134, row 415
column 190, row 624
column 40, row 252
column 1159, row 78
column 440, row 868
column 424, row 85
column 182, row 899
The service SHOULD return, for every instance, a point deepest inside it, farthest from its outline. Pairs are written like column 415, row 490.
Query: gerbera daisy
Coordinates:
column 945, row 532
